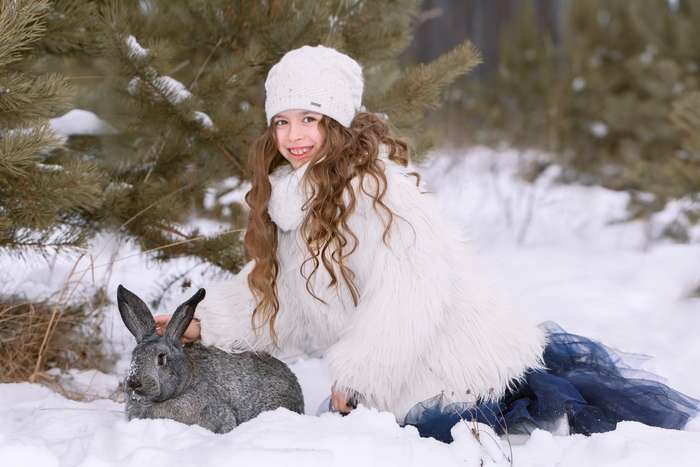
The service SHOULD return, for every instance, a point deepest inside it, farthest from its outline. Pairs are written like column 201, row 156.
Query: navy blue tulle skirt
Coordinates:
column 587, row 385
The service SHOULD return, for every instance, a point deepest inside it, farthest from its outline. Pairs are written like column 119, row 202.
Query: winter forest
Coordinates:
column 560, row 137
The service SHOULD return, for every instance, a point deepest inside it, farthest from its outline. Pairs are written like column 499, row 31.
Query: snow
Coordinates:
column 235, row 191
column 578, row 84
column 49, row 167
column 648, row 55
column 81, row 122
column 676, row 211
column 599, row 129
column 177, row 92
column 203, row 119
column 119, row 186
column 136, row 51
column 134, row 86
column 96, row 434
column 560, row 252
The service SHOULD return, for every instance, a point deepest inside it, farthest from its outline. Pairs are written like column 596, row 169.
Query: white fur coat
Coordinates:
column 426, row 323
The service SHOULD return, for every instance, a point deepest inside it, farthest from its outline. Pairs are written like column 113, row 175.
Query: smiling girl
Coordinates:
column 352, row 260
column 298, row 135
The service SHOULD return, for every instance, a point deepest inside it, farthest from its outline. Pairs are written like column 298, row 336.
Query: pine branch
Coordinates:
column 193, row 84
column 21, row 25
column 166, row 95
column 25, row 97
column 686, row 116
column 19, row 149
column 224, row 250
column 153, row 204
column 376, row 31
column 419, row 89
column 70, row 28
column 41, row 197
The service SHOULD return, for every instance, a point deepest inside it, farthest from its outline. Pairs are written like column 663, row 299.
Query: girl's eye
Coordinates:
column 309, row 119
column 162, row 359
column 279, row 122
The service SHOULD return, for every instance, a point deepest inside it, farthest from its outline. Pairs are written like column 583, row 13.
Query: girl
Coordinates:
column 352, row 260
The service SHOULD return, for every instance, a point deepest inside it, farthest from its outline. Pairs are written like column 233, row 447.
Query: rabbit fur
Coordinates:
column 194, row 384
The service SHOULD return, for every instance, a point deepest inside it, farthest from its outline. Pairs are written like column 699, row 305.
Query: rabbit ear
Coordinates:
column 135, row 314
column 183, row 316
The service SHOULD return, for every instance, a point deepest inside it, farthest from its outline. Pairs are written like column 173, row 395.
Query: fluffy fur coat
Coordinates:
column 427, row 323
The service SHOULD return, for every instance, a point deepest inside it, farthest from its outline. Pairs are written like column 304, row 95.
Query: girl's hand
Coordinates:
column 191, row 334
column 343, row 402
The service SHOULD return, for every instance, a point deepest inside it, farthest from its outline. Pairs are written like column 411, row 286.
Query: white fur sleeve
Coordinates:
column 226, row 312
column 405, row 292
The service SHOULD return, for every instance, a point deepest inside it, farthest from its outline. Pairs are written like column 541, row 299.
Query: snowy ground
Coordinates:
column 556, row 249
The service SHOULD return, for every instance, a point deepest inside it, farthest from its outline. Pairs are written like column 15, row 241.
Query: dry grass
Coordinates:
column 35, row 337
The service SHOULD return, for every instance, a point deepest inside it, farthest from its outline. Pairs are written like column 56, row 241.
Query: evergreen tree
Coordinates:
column 686, row 118
column 185, row 93
column 602, row 102
column 45, row 199
column 520, row 101
column 629, row 62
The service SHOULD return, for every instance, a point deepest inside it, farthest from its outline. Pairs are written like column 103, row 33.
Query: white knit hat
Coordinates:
column 319, row 79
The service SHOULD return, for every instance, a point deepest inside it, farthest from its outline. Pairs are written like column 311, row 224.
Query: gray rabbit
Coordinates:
column 194, row 384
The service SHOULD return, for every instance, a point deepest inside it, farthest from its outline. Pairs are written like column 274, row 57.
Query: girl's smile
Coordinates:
column 300, row 152
column 298, row 135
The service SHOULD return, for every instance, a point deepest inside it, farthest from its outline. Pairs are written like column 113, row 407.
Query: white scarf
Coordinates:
column 287, row 198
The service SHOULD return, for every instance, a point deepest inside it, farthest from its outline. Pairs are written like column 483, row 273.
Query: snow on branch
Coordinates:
column 203, row 119
column 150, row 84
column 136, row 51
column 176, row 91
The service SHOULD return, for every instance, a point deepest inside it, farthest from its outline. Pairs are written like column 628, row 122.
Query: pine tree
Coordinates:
column 629, row 62
column 185, row 93
column 46, row 200
column 520, row 101
column 602, row 102
column 686, row 118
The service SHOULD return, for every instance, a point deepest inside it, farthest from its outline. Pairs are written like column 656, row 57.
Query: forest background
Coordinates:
column 607, row 90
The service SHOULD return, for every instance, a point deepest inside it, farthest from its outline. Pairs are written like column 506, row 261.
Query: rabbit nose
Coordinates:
column 133, row 384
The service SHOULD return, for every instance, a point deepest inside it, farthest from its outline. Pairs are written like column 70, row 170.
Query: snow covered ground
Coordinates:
column 556, row 249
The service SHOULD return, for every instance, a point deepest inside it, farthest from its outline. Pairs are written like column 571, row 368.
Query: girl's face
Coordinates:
column 299, row 135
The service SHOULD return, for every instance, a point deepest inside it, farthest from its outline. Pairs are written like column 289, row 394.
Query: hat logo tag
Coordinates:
column 315, row 104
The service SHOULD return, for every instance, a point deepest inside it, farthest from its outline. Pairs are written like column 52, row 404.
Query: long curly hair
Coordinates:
column 346, row 153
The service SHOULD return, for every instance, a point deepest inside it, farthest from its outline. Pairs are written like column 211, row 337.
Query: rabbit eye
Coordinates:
column 162, row 359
